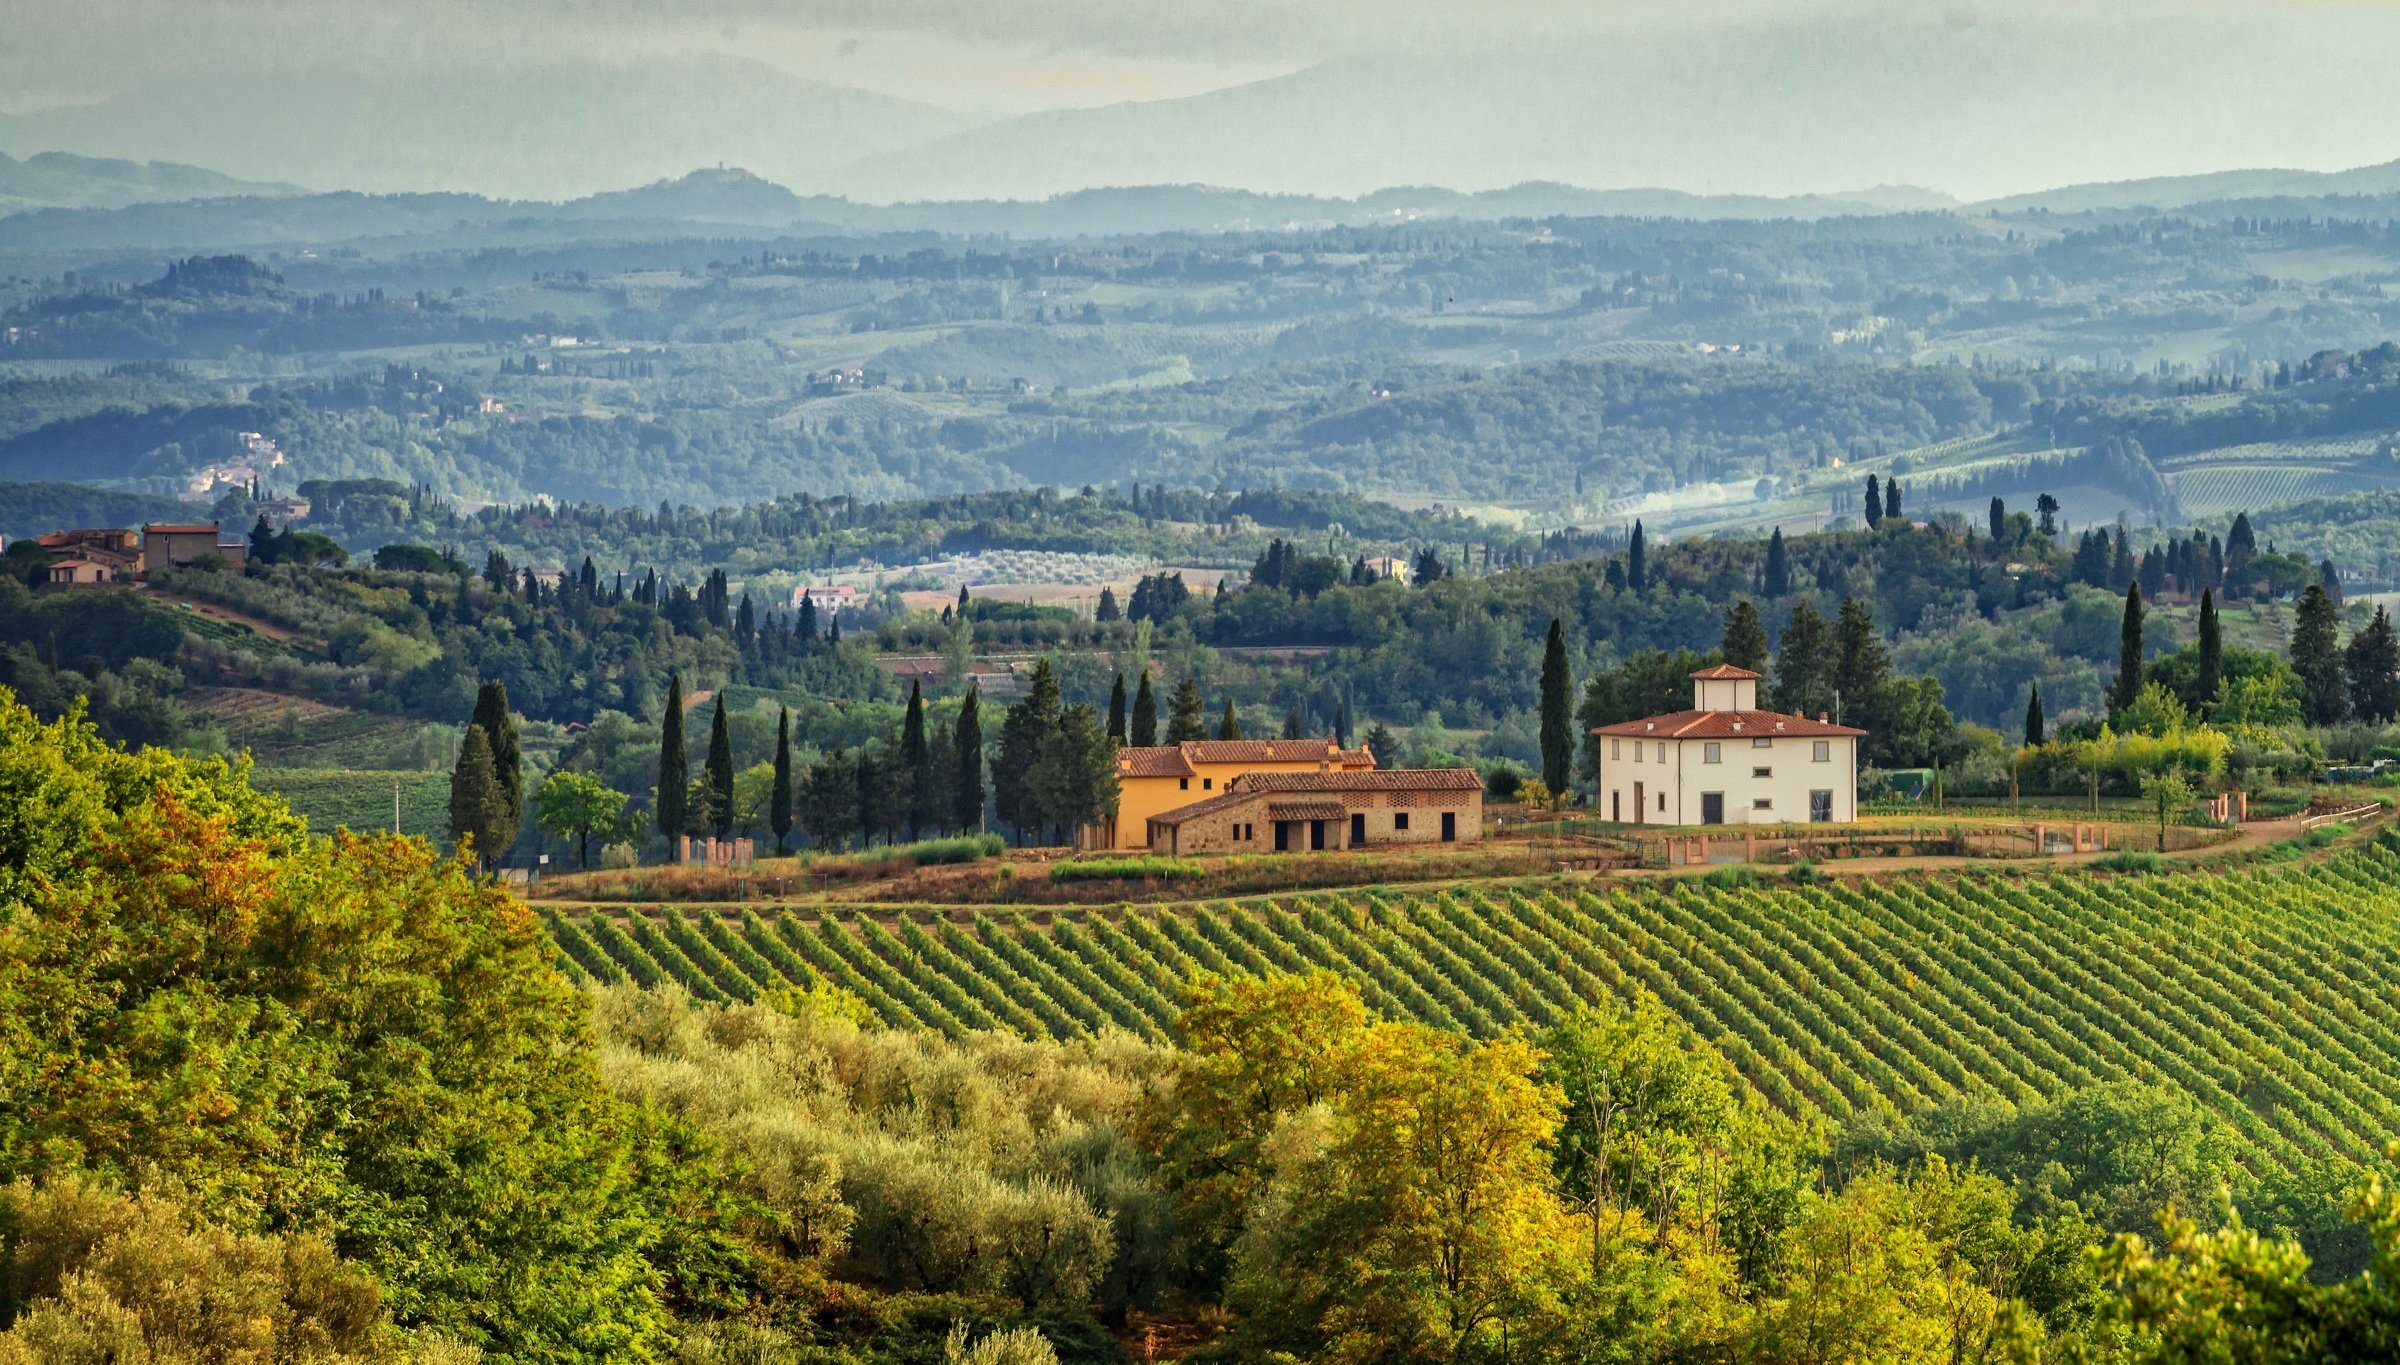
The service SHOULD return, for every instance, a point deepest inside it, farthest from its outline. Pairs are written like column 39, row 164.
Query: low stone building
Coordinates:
column 1163, row 777
column 1294, row 812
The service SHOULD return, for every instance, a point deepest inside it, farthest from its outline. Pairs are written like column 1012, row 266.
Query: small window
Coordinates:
column 1823, row 752
column 1762, row 742
column 1763, row 803
column 1662, row 800
column 1762, row 773
column 1612, row 747
column 1400, row 820
column 1662, row 751
column 1637, row 751
column 1712, row 752
column 1183, row 784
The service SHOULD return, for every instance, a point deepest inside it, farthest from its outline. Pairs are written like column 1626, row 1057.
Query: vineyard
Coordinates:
column 2263, row 994
column 362, row 800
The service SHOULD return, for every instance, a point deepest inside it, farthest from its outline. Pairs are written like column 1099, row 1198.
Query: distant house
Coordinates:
column 285, row 509
column 828, row 598
column 75, row 571
column 82, row 558
column 1727, row 762
column 1162, row 777
column 1326, row 811
column 1388, row 566
column 171, row 545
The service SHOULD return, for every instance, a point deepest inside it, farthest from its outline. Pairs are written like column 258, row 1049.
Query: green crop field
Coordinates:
column 362, row 800
column 2265, row 994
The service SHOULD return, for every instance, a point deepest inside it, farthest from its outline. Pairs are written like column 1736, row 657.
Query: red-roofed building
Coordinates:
column 1325, row 811
column 1159, row 778
column 1725, row 762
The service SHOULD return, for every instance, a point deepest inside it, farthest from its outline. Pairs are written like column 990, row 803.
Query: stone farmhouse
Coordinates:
column 1292, row 812
column 85, row 558
column 1725, row 762
column 1155, row 779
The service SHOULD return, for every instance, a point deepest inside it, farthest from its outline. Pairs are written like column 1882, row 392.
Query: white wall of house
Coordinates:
column 1761, row 783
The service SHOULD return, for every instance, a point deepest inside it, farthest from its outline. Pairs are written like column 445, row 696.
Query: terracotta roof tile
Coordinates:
column 161, row 528
column 1726, row 725
column 1727, row 673
column 1306, row 810
column 1176, row 760
column 1376, row 780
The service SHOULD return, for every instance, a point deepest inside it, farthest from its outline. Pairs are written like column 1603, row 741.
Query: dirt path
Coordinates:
column 218, row 612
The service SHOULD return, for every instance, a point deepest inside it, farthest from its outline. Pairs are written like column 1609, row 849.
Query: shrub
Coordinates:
column 618, row 857
column 2131, row 861
column 1009, row 1346
column 1145, row 866
column 1804, row 873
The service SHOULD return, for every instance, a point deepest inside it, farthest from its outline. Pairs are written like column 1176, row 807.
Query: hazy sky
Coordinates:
column 1975, row 97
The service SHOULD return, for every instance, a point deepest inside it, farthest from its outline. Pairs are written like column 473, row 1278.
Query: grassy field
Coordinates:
column 362, row 800
column 2261, row 991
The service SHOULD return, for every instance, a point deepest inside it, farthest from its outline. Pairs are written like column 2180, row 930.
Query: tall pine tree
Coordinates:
column 508, row 765
column 966, row 787
column 1776, row 582
column 1745, row 637
column 779, row 802
column 916, row 764
column 1874, row 502
column 1144, row 731
column 720, row 773
column 1187, row 717
column 2373, row 663
column 1229, row 725
column 477, row 808
column 674, row 779
column 1804, row 664
column 1637, row 560
column 2317, row 658
column 1862, row 667
column 1022, row 732
column 1116, row 710
column 2033, row 716
column 2129, row 652
column 2212, row 648
column 1558, row 712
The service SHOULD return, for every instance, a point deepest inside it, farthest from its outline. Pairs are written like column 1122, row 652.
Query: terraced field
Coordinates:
column 362, row 800
column 2265, row 994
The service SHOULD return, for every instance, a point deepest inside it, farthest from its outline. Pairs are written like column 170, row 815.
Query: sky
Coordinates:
column 898, row 98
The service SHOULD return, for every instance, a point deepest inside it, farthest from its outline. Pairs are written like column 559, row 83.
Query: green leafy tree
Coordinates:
column 1804, row 665
column 1024, row 729
column 829, row 801
column 1557, row 712
column 2372, row 663
column 576, row 806
column 2168, row 795
column 670, row 803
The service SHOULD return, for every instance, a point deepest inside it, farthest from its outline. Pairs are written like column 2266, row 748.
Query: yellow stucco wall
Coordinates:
column 1139, row 798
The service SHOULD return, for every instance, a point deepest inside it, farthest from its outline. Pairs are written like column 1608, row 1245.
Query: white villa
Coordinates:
column 1725, row 762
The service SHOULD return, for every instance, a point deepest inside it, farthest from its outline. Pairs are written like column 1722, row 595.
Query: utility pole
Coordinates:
column 395, row 803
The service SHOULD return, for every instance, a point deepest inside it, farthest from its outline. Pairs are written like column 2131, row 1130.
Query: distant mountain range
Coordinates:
column 65, row 180
column 100, row 205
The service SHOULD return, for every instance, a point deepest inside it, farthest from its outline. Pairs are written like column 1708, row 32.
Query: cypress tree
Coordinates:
column 2330, row 581
column 1777, row 581
column 720, row 773
column 1637, row 560
column 1023, row 730
column 2212, row 647
column 1745, row 637
column 1116, row 710
column 1341, row 724
column 779, row 804
column 1229, row 726
column 1874, row 502
column 1861, row 669
column 508, row 765
column 1144, row 730
column 1999, row 515
column 476, row 805
column 673, row 779
column 806, row 627
column 1186, row 716
column 1558, row 712
column 966, row 789
column 1293, row 726
column 2317, row 658
column 2129, row 653
column 1891, row 501
column 2033, row 716
column 916, row 763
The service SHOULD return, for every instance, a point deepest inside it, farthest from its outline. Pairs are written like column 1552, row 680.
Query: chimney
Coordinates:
column 1824, row 719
